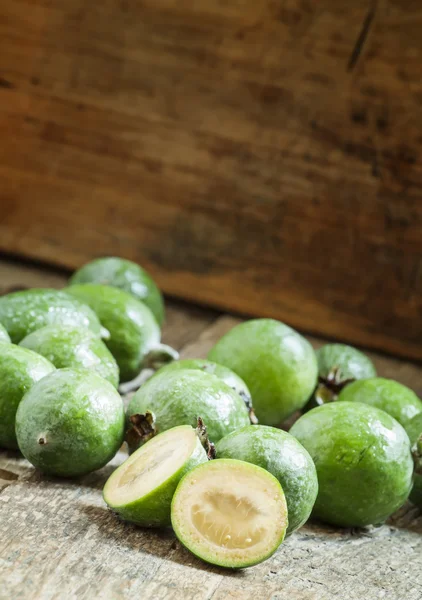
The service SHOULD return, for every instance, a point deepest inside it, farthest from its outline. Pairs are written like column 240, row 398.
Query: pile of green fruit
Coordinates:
column 206, row 451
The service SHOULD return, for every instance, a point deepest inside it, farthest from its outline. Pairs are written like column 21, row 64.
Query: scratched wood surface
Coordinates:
column 262, row 157
column 59, row 541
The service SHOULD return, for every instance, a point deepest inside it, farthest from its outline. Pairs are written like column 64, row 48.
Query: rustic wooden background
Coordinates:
column 262, row 157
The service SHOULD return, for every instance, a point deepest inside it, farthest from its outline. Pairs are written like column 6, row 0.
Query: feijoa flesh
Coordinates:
column 284, row 457
column 230, row 513
column 414, row 431
column 19, row 370
column 396, row 399
column 134, row 333
column 28, row 310
column 277, row 364
column 223, row 373
column 180, row 397
column 363, row 462
column 67, row 346
column 142, row 488
column 126, row 275
column 4, row 336
column 70, row 423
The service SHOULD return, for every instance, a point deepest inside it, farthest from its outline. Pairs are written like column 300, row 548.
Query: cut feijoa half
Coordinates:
column 230, row 513
column 142, row 488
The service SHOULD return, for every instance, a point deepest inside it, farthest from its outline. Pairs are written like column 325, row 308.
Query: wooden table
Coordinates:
column 58, row 540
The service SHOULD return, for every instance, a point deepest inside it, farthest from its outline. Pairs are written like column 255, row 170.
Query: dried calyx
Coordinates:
column 201, row 432
column 417, row 455
column 141, row 430
column 329, row 387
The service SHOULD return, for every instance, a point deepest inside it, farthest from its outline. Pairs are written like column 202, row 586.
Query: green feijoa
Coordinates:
column 351, row 363
column 70, row 423
column 178, row 398
column 414, row 431
column 396, row 399
column 134, row 332
column 19, row 370
column 363, row 462
column 220, row 371
column 126, row 275
column 25, row 311
column 230, row 513
column 277, row 364
column 4, row 336
column 284, row 457
column 142, row 488
column 338, row 366
column 67, row 346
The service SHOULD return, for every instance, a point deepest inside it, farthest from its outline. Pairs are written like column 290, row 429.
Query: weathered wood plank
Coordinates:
column 263, row 157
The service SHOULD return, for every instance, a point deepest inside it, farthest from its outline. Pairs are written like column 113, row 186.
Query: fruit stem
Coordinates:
column 201, row 432
column 159, row 356
column 134, row 384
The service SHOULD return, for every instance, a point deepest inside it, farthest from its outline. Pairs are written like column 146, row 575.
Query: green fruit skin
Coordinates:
column 394, row 398
column 284, row 457
column 228, row 462
column 153, row 510
column 73, row 347
column 352, row 363
column 29, row 310
column 180, row 397
column 126, row 275
column 363, row 461
column 132, row 326
column 414, row 431
column 277, row 364
column 80, row 417
column 19, row 370
column 4, row 336
column 207, row 366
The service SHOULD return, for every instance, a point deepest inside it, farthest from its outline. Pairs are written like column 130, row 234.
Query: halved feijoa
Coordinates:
column 278, row 365
column 25, row 311
column 68, row 346
column 4, row 336
column 284, row 457
column 174, row 398
column 134, row 333
column 19, row 370
column 70, row 423
column 220, row 371
column 395, row 398
column 126, row 275
column 230, row 513
column 142, row 488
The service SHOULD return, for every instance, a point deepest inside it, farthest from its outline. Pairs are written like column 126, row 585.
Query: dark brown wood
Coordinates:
column 262, row 157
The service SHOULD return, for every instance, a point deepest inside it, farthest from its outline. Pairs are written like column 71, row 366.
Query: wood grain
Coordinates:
column 261, row 157
column 58, row 540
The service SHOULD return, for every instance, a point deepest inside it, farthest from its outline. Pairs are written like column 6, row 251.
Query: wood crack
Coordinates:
column 363, row 35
